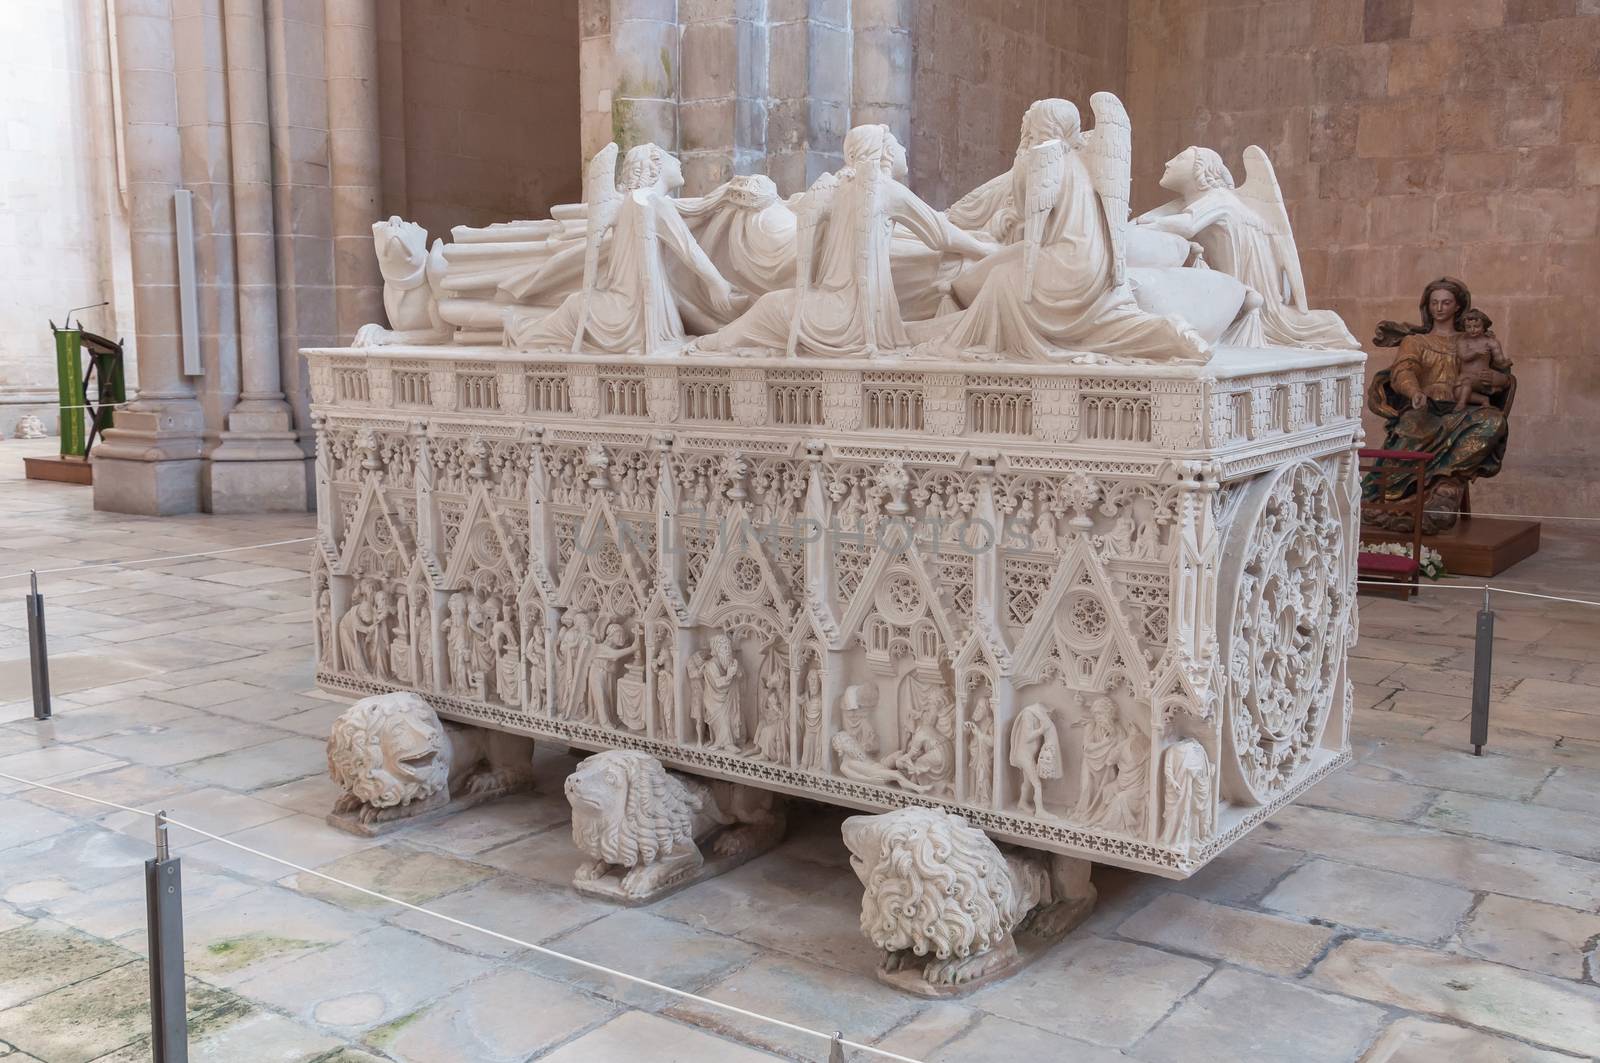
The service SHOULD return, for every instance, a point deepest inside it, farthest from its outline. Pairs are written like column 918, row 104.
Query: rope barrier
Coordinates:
column 151, row 560
column 1508, row 516
column 829, row 1038
column 1475, row 587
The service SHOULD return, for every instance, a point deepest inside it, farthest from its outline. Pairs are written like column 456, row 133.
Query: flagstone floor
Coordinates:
column 1424, row 904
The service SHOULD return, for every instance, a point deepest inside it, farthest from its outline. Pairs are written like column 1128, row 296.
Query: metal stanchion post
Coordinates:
column 835, row 1048
column 163, row 894
column 1482, row 665
column 38, row 659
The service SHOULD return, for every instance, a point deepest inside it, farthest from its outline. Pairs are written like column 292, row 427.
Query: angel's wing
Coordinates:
column 1261, row 194
column 809, row 211
column 1046, row 172
column 601, row 195
column 1108, row 153
column 600, row 176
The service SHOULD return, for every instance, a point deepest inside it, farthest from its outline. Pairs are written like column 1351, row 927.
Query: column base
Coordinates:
column 256, row 486
column 151, row 488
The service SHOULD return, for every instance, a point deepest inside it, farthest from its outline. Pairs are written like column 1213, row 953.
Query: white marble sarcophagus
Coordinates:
column 1101, row 610
column 1024, row 508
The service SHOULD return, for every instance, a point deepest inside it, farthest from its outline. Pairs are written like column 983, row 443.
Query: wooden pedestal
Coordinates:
column 64, row 470
column 1476, row 546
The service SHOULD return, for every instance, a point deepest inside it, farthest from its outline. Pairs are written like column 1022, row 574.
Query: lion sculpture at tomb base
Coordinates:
column 642, row 827
column 396, row 760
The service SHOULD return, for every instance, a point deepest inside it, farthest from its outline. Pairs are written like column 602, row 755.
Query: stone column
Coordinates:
column 722, row 94
column 259, row 465
column 150, row 463
column 645, row 57
column 880, row 82
column 354, row 154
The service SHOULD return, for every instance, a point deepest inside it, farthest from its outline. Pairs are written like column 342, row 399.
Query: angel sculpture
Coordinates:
column 1061, row 284
column 844, row 303
column 633, row 303
column 1245, row 233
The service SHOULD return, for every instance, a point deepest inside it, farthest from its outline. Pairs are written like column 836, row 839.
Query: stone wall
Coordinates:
column 1415, row 138
column 479, row 110
column 62, row 226
column 979, row 66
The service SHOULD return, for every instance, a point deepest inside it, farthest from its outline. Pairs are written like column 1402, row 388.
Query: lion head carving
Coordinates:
column 389, row 750
column 628, row 810
column 933, row 884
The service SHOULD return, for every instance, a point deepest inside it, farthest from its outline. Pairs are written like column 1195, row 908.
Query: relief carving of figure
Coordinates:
column 845, row 302
column 423, row 635
column 1426, row 401
column 1244, row 232
column 357, row 630
column 772, row 723
column 1188, row 808
column 534, row 654
column 1061, row 284
column 811, row 758
column 633, row 303
column 457, row 644
column 603, row 658
column 855, row 746
column 400, row 644
column 1036, row 752
column 325, row 627
column 929, row 757
column 724, row 716
column 980, row 752
column 666, row 680
column 696, row 674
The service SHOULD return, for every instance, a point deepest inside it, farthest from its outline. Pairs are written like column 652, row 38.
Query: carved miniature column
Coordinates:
column 350, row 29
column 259, row 465
column 152, row 459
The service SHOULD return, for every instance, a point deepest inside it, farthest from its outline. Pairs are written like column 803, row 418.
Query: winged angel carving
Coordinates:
column 1245, row 233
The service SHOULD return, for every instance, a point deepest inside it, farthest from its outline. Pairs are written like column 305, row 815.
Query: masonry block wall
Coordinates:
column 478, row 104
column 1415, row 138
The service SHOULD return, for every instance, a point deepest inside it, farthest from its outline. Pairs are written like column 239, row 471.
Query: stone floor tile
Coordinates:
column 527, row 911
column 1365, row 899
column 619, row 1041
column 1556, row 1014
column 1370, row 671
column 1427, row 703
column 1577, row 789
column 88, row 1019
column 1094, row 989
column 993, row 1039
column 1544, row 720
column 1456, row 682
column 23, row 822
column 73, row 666
column 824, row 927
column 1516, row 821
column 133, row 785
column 396, row 870
column 1551, row 694
column 268, row 764
column 52, row 764
column 468, row 832
column 314, row 722
column 1524, row 664
column 210, row 809
column 364, row 982
column 44, row 955
column 119, row 906
column 164, row 745
column 1414, row 1040
column 816, row 997
column 1354, row 790
column 938, row 1024
column 1536, row 937
column 1216, row 932
column 258, row 931
column 1241, row 874
column 77, row 723
column 636, row 942
column 309, row 841
column 548, row 856
column 1242, row 1016
column 1454, row 859
column 313, row 795
column 73, row 860
column 490, row 1021
column 261, row 1037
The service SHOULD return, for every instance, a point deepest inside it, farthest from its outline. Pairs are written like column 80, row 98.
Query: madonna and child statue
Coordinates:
column 1448, row 394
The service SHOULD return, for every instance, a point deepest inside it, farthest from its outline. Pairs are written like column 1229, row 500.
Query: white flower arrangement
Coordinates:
column 1432, row 563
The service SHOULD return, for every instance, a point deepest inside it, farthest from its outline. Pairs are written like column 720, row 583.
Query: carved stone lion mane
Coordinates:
column 933, row 884
column 628, row 810
column 389, row 750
